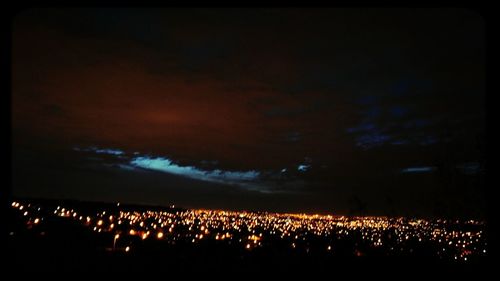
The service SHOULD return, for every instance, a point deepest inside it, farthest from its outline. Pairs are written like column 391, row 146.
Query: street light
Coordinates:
column 114, row 240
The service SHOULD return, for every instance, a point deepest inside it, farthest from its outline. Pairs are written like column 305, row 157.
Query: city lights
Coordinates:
column 255, row 230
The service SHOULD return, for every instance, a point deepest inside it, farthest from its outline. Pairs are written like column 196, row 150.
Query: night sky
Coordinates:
column 341, row 111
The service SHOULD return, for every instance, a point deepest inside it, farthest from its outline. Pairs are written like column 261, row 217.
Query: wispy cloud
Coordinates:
column 426, row 169
column 469, row 168
column 100, row 150
column 252, row 180
column 166, row 165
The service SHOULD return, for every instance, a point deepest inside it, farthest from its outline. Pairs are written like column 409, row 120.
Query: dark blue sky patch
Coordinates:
column 293, row 137
column 401, row 87
column 398, row 111
column 410, row 87
column 400, row 142
column 365, row 127
column 416, row 123
column 428, row 140
column 372, row 140
column 367, row 100
column 373, row 112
